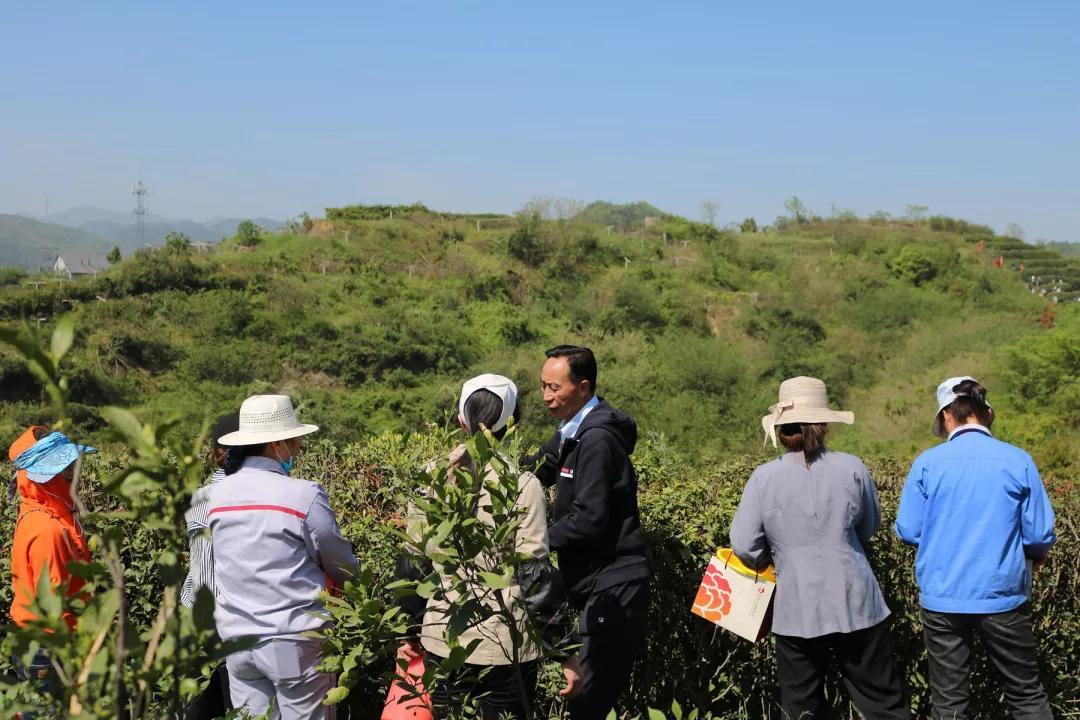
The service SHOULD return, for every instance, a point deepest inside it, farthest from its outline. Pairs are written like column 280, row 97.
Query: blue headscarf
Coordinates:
column 49, row 457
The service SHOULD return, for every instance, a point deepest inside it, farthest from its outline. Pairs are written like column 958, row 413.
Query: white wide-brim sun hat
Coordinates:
column 266, row 418
column 802, row 400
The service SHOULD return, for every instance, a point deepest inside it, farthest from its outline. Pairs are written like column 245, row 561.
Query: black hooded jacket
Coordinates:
column 595, row 524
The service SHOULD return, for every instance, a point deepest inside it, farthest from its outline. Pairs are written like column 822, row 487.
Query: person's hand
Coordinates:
column 410, row 650
column 571, row 670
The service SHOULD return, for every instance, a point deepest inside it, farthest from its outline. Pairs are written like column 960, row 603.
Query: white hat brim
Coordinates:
column 242, row 437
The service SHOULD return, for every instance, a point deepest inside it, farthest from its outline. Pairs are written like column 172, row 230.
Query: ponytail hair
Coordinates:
column 808, row 438
column 225, row 424
column 237, row 454
column 971, row 400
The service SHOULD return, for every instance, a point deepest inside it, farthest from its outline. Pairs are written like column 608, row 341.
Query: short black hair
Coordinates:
column 581, row 360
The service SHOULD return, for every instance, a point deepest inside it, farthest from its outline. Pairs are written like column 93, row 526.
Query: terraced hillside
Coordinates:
column 1046, row 272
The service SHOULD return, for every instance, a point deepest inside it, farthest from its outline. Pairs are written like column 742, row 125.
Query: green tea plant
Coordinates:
column 110, row 665
column 686, row 508
column 359, row 643
column 464, row 527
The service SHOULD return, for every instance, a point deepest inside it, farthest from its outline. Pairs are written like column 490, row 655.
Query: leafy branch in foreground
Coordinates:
column 466, row 526
column 104, row 666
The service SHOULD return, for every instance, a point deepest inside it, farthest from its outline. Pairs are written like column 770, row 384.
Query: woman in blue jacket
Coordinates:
column 975, row 508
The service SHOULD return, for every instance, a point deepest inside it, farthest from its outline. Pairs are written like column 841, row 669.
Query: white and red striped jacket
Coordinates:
column 276, row 545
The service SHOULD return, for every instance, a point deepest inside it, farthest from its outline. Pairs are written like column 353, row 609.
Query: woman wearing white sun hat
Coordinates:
column 810, row 511
column 276, row 544
column 490, row 401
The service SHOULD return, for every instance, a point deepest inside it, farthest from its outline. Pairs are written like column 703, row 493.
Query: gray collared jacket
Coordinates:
column 276, row 546
column 812, row 522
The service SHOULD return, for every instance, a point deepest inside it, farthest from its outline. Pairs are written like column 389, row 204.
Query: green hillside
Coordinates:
column 627, row 215
column 25, row 242
column 373, row 323
column 1070, row 249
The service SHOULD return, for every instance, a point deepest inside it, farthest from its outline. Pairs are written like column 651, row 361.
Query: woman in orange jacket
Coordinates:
column 48, row 535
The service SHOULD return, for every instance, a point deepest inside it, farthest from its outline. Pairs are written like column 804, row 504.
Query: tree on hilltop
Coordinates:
column 176, row 243
column 114, row 255
column 797, row 209
column 709, row 209
column 915, row 213
column 247, row 233
column 1015, row 231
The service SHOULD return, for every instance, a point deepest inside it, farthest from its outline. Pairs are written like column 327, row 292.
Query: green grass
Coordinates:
column 375, row 328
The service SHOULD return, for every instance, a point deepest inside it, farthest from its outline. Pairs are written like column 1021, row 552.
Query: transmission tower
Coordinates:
column 140, row 192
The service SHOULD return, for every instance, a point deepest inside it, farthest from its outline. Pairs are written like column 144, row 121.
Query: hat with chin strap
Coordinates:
column 802, row 400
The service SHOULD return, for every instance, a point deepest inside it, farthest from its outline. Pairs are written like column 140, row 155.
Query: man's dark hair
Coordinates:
column 484, row 407
column 581, row 360
column 971, row 400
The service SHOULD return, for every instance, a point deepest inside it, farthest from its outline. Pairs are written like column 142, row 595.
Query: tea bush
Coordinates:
column 156, row 271
column 686, row 511
column 11, row 275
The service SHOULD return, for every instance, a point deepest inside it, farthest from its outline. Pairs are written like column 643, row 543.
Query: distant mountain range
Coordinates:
column 82, row 214
column 25, row 243
column 89, row 232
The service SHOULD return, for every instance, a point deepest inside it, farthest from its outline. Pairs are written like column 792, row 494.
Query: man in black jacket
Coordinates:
column 595, row 525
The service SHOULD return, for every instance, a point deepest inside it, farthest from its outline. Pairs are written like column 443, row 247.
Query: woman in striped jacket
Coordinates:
column 214, row 701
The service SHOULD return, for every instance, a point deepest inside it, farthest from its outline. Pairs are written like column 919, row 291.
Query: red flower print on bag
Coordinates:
column 713, row 599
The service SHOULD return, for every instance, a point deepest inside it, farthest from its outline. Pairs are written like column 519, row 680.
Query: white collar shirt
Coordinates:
column 569, row 428
column 971, row 426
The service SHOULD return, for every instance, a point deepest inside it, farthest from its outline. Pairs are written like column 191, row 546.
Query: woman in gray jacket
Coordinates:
column 276, row 548
column 809, row 512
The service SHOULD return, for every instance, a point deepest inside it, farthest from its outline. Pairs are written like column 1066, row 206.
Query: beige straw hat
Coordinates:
column 802, row 400
column 266, row 418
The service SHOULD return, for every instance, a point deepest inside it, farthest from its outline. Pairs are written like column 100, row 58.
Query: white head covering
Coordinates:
column 503, row 387
column 802, row 400
column 266, row 418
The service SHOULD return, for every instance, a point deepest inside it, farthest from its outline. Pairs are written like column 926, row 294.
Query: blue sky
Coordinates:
column 272, row 108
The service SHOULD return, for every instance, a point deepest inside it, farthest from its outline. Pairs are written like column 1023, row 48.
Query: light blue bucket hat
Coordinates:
column 50, row 456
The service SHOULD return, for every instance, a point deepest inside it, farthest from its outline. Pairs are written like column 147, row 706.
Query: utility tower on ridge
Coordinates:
column 140, row 192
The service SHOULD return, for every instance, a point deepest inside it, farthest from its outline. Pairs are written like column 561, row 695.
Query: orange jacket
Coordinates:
column 46, row 533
